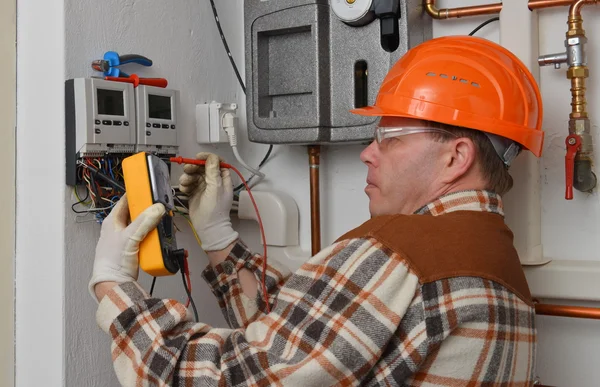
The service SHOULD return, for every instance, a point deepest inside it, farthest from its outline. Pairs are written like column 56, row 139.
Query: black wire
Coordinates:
column 96, row 172
column 152, row 286
column 237, row 73
column 485, row 23
column 189, row 294
column 87, row 195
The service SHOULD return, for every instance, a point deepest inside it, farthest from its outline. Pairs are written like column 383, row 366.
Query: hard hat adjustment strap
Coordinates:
column 505, row 148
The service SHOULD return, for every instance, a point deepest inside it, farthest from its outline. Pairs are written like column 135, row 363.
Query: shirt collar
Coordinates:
column 473, row 200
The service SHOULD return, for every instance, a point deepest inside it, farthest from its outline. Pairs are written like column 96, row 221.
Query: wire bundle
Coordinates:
column 100, row 195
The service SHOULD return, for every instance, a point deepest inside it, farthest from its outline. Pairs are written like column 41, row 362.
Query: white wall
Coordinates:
column 569, row 228
column 8, row 111
column 181, row 39
column 40, row 194
column 575, row 235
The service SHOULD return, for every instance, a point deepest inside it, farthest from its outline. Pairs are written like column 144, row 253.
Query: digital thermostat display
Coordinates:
column 159, row 106
column 157, row 125
column 110, row 102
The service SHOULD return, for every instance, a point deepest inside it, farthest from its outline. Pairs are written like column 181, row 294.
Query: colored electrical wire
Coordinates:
column 186, row 267
column 263, row 161
column 181, row 160
column 103, row 179
column 485, row 23
column 182, row 265
column 81, row 201
column 185, row 264
column 193, row 230
column 227, row 50
column 241, row 82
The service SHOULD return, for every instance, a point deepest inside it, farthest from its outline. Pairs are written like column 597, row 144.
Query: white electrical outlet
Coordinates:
column 209, row 128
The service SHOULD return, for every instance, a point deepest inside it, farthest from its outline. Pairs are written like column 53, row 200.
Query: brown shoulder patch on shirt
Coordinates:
column 457, row 244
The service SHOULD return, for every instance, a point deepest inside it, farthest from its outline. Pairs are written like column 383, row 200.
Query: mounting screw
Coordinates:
column 572, row 141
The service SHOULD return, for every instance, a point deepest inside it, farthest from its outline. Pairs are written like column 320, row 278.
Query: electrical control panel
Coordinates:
column 157, row 111
column 105, row 123
column 100, row 122
column 100, row 116
column 307, row 65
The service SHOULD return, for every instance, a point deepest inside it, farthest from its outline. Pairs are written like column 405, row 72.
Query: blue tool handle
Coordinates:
column 134, row 58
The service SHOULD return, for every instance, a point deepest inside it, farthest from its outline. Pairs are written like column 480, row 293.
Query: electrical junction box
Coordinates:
column 157, row 109
column 209, row 127
column 307, row 64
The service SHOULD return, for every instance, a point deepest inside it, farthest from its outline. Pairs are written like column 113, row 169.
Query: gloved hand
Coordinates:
column 210, row 194
column 117, row 250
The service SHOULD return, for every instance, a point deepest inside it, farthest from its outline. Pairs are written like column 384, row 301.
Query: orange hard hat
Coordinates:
column 464, row 81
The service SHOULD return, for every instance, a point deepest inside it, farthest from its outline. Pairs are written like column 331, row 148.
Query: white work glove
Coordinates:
column 119, row 244
column 210, row 193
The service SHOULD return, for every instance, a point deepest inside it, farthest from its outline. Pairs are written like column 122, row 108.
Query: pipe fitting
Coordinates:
column 582, row 128
column 576, row 50
column 553, row 59
column 578, row 99
column 584, row 179
column 578, row 72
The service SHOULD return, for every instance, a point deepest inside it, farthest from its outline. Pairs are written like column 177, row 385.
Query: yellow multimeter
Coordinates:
column 147, row 182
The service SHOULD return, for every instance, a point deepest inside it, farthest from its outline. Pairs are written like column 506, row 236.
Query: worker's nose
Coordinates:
column 369, row 155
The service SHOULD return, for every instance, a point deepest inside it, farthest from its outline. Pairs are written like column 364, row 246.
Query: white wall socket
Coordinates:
column 209, row 129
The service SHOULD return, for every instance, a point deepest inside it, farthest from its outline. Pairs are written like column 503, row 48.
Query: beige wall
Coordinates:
column 7, row 194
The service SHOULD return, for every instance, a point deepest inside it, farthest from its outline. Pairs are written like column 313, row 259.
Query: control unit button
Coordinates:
column 165, row 126
column 97, row 122
column 148, row 125
column 126, row 123
column 172, row 126
column 106, row 122
column 117, row 123
column 156, row 125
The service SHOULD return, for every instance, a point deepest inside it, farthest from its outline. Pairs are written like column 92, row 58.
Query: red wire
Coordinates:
column 181, row 160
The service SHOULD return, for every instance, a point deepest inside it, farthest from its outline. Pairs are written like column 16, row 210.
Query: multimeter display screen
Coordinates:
column 159, row 106
column 110, row 102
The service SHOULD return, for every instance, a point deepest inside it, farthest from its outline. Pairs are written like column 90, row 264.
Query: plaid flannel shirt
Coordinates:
column 353, row 314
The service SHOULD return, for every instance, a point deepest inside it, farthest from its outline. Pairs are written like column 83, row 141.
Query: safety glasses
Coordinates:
column 384, row 132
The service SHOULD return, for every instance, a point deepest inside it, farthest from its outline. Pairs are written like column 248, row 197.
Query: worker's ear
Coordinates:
column 459, row 157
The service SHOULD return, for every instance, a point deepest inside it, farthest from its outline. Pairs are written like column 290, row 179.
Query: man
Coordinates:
column 428, row 292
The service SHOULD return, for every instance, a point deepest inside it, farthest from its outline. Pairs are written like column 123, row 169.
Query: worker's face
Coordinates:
column 403, row 172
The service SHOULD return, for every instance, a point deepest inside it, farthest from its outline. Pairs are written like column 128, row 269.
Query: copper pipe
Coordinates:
column 575, row 10
column 538, row 4
column 567, row 311
column 449, row 13
column 315, row 201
